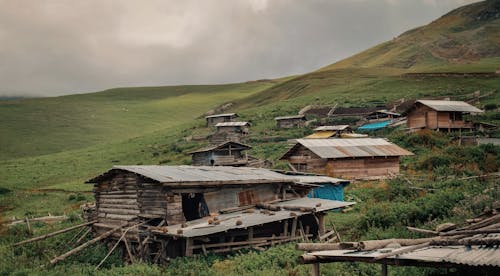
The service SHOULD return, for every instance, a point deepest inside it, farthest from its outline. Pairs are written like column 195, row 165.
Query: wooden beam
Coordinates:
column 55, row 233
column 315, row 269
column 83, row 246
column 294, row 226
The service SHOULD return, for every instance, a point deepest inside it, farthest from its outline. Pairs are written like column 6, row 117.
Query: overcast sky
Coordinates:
column 64, row 47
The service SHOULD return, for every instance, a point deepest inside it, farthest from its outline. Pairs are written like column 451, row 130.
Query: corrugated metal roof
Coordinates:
column 336, row 127
column 290, row 117
column 351, row 147
column 201, row 174
column 221, row 115
column 321, row 135
column 225, row 124
column 472, row 256
column 222, row 145
column 200, row 227
column 319, row 179
column 457, row 106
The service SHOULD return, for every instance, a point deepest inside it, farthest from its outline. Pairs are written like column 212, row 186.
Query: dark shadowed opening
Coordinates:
column 194, row 206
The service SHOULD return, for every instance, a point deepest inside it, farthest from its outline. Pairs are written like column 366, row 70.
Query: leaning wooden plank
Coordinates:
column 377, row 244
column 402, row 251
column 83, row 246
column 55, row 233
column 422, row 231
column 471, row 232
column 325, row 246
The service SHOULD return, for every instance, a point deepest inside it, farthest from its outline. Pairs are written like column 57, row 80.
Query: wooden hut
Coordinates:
column 323, row 132
column 220, row 118
column 161, row 212
column 355, row 112
column 228, row 153
column 360, row 158
column 382, row 115
column 230, row 131
column 290, row 121
column 440, row 115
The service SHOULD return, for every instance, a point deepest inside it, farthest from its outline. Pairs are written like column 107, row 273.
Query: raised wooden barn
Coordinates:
column 228, row 153
column 290, row 121
column 161, row 212
column 212, row 120
column 440, row 115
column 358, row 158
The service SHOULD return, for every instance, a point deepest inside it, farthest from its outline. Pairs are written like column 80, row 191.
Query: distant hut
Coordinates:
column 228, row 153
column 220, row 118
column 360, row 158
column 230, row 131
column 380, row 115
column 329, row 131
column 290, row 121
column 440, row 115
column 355, row 112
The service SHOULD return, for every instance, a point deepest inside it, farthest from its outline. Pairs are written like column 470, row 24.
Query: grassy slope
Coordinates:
column 31, row 127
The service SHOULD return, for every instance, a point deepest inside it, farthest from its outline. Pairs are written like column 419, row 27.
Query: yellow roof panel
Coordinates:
column 321, row 135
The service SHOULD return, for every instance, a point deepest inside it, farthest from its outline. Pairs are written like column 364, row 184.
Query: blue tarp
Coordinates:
column 375, row 126
column 328, row 191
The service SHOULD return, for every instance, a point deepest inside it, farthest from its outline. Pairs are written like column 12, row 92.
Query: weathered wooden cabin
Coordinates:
column 228, row 153
column 323, row 132
column 230, row 131
column 290, row 121
column 440, row 115
column 161, row 212
column 212, row 120
column 358, row 158
column 355, row 112
column 382, row 115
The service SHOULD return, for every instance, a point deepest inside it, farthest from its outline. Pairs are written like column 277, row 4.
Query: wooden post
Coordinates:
column 285, row 228
column 250, row 233
column 384, row 270
column 30, row 231
column 316, row 271
column 321, row 223
column 189, row 247
column 294, row 226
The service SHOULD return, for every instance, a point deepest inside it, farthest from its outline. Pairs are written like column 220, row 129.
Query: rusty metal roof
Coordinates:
column 225, row 124
column 457, row 106
column 349, row 148
column 462, row 255
column 335, row 127
column 201, row 227
column 222, row 115
column 201, row 174
column 222, row 145
column 290, row 117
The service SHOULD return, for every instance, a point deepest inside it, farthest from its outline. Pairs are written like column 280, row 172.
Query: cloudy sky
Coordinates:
column 56, row 47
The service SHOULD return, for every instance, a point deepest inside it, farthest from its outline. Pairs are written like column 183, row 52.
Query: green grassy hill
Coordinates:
column 50, row 146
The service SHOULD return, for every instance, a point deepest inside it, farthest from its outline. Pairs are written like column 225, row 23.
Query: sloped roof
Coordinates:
column 196, row 175
column 349, row 148
column 290, row 117
column 320, row 179
column 355, row 111
column 201, row 227
column 225, row 124
column 335, row 127
column 321, row 135
column 472, row 256
column 457, row 106
column 219, row 146
column 222, row 115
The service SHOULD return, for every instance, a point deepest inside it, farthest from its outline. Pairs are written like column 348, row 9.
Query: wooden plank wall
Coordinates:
column 239, row 196
column 313, row 163
column 363, row 167
column 116, row 199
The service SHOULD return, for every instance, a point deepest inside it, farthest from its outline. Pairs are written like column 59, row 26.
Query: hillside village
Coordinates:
column 384, row 170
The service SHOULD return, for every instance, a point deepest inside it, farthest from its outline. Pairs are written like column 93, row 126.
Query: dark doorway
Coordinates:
column 194, row 206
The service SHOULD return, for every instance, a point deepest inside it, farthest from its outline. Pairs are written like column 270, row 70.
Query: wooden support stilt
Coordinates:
column 127, row 246
column 321, row 224
column 250, row 233
column 384, row 270
column 285, row 228
column 315, row 269
column 30, row 230
column 54, row 233
column 294, row 226
column 189, row 247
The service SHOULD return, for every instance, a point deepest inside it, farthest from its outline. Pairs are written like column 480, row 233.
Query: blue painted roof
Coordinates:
column 375, row 126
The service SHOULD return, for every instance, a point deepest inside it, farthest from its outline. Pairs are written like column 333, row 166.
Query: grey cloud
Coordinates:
column 59, row 47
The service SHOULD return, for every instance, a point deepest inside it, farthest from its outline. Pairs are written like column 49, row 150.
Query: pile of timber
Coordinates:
column 482, row 230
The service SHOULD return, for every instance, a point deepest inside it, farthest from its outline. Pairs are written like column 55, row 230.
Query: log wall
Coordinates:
column 376, row 167
column 290, row 123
